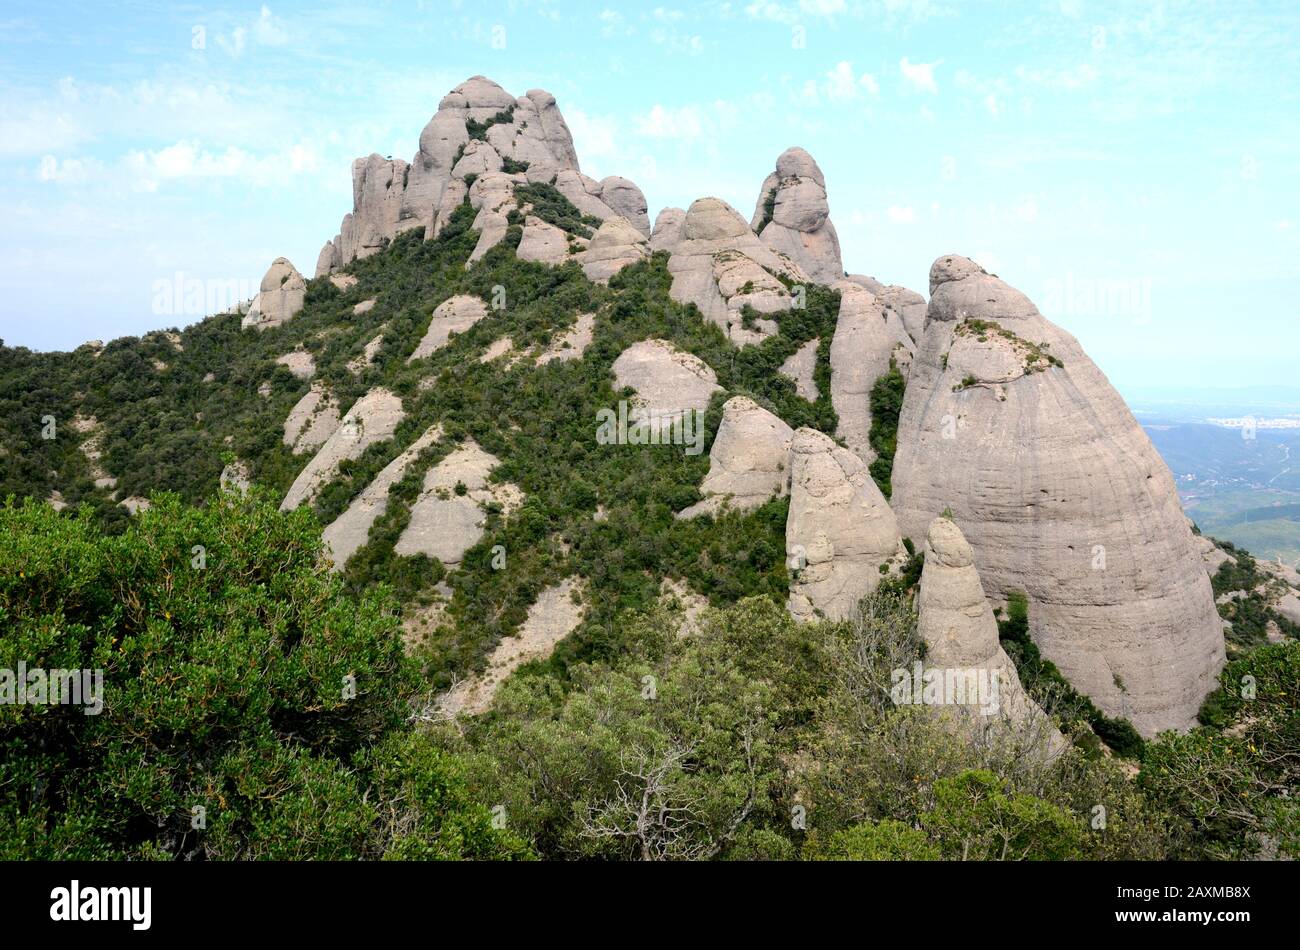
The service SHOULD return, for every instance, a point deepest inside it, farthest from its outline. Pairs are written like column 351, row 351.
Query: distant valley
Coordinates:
column 1239, row 483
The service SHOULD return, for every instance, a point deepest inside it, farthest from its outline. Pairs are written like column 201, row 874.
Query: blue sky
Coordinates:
column 1134, row 168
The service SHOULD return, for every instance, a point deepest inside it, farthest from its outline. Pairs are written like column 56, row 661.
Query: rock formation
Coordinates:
column 483, row 133
column 960, row 634
column 372, row 419
column 667, row 381
column 571, row 344
column 543, row 242
column 1062, row 496
column 299, row 362
column 801, row 368
column 749, row 461
column 615, row 245
column 448, row 518
column 282, row 295
column 793, row 217
column 719, row 265
column 454, row 315
column 867, row 337
column 553, row 616
column 312, row 420
column 839, row 532
column 349, row 531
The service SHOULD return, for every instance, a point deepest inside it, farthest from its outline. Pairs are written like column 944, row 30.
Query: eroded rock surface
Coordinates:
column 801, row 368
column 281, row 297
column 615, row 245
column 794, row 217
column 455, row 315
column 1062, row 496
column 867, row 337
column 667, row 381
column 312, row 420
column 449, row 518
column 960, row 633
column 350, row 530
column 748, row 463
column 839, row 532
column 372, row 419
column 553, row 616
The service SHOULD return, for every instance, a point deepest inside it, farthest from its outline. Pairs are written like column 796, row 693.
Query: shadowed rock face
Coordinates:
column 748, row 463
column 867, row 337
column 1062, row 496
column 960, row 633
column 839, row 531
column 800, row 226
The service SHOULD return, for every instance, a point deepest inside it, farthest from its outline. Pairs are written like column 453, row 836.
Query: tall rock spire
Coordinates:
column 1061, row 494
column 792, row 216
column 960, row 633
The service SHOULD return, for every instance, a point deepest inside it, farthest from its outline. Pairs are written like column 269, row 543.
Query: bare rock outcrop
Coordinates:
column 839, row 532
column 719, row 265
column 801, row 368
column 282, row 295
column 627, row 201
column 867, row 337
column 553, row 616
column 667, row 231
column 543, row 242
column 478, row 129
column 749, row 461
column 1007, row 422
column 372, row 419
column 454, row 315
column 299, row 362
column 449, row 518
column 312, row 420
column 573, row 343
column 960, row 633
column 236, row 477
column 615, row 245
column 668, row 382
column 349, row 531
column 793, row 217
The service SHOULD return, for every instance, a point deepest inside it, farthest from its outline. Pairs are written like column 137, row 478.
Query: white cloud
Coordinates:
column 187, row 160
column 68, row 171
column 919, row 75
column 684, row 124
column 841, row 83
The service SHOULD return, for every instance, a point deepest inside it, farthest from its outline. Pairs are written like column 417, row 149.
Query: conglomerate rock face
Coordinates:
column 282, row 295
column 749, row 461
column 372, row 419
column 720, row 265
column 793, row 216
column 1007, row 423
column 960, row 634
column 867, row 337
column 479, row 131
column 840, row 530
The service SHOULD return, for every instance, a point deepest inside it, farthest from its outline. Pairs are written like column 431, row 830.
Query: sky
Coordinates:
column 1133, row 167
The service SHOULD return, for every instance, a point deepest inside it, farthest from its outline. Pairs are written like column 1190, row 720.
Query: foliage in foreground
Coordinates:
column 251, row 709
